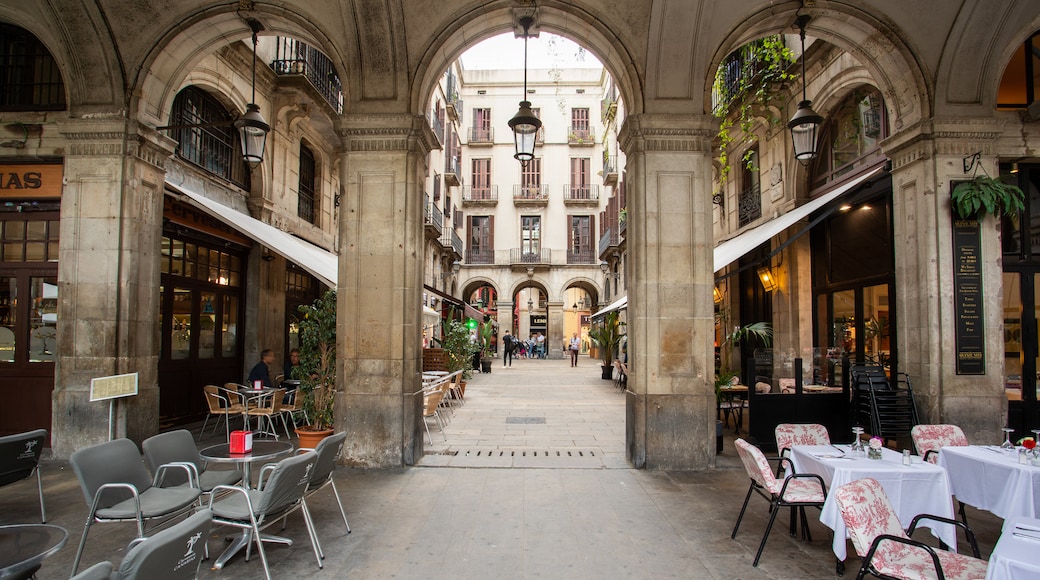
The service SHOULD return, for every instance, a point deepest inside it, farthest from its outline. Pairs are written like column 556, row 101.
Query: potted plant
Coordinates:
column 985, row 194
column 317, row 369
column 458, row 346
column 487, row 332
column 608, row 337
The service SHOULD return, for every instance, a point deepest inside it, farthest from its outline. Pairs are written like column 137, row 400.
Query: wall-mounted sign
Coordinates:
column 31, row 180
column 967, row 298
column 539, row 320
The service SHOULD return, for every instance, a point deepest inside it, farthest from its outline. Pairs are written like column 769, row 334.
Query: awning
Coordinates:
column 731, row 250
column 322, row 264
column 615, row 305
column 428, row 312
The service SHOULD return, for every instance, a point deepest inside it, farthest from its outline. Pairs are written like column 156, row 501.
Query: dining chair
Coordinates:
column 929, row 439
column 790, row 434
column 268, row 406
column 294, row 407
column 222, row 405
column 455, row 388
column 886, row 550
column 176, row 447
column 175, row 553
column 20, row 458
column 328, row 452
column 800, row 490
column 431, row 400
column 117, row 488
column 256, row 509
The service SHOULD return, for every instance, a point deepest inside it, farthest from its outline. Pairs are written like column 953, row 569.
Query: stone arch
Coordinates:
column 594, row 288
column 875, row 44
column 472, row 284
column 593, row 31
column 534, row 282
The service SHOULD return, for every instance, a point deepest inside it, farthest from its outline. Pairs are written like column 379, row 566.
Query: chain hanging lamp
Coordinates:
column 525, row 124
column 805, row 124
column 252, row 129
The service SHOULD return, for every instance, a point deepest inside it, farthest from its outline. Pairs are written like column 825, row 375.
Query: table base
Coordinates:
column 239, row 542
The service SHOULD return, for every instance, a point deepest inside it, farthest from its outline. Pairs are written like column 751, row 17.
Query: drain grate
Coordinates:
column 526, row 420
column 584, row 458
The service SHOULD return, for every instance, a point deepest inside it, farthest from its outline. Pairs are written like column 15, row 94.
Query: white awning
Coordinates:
column 428, row 312
column 731, row 250
column 322, row 264
column 615, row 305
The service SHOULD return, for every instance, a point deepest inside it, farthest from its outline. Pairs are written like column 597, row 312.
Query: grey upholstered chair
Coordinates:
column 178, row 448
column 281, row 495
column 117, row 488
column 20, row 458
column 328, row 451
column 172, row 554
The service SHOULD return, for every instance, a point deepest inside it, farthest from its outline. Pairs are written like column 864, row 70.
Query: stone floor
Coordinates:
column 483, row 504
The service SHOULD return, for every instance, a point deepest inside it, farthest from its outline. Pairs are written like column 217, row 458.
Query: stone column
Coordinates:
column 554, row 330
column 926, row 157
column 380, row 287
column 108, row 279
column 670, row 419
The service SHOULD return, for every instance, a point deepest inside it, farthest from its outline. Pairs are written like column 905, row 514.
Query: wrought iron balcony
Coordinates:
column 584, row 136
column 580, row 194
column 433, row 220
column 437, row 125
column 581, row 256
column 478, row 136
column 749, row 204
column 610, row 168
column 521, row 256
column 453, row 104
column 294, row 58
column 484, row 256
column 736, row 72
column 451, row 240
column 452, row 176
column 473, row 195
column 530, row 194
column 610, row 239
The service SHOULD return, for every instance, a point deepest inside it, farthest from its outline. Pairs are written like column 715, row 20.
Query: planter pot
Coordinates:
column 485, row 365
column 718, row 437
column 606, row 372
column 309, row 439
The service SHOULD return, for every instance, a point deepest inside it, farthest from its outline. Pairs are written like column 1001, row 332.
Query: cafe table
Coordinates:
column 1014, row 557
column 990, row 478
column 734, row 397
column 918, row 488
column 262, row 451
column 24, row 546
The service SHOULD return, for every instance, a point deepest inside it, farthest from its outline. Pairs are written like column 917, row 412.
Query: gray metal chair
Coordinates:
column 117, row 488
column 20, row 458
column 281, row 495
column 328, row 452
column 172, row 554
column 178, row 448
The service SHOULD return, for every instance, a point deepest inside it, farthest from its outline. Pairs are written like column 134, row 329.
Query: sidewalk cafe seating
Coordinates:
column 20, row 458
column 889, row 552
column 929, row 439
column 223, row 405
column 328, row 451
column 117, row 488
column 177, row 448
column 790, row 434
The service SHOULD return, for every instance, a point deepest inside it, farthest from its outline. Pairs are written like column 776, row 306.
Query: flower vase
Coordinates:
column 873, row 453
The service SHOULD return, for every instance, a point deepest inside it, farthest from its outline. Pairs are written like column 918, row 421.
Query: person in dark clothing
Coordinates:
column 260, row 371
column 290, row 363
column 507, row 349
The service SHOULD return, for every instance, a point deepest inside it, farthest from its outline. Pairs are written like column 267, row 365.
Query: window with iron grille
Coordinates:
column 481, row 125
column 305, row 207
column 530, row 235
column 580, row 178
column 481, row 178
column 750, row 198
column 215, row 148
column 531, row 176
column 29, row 78
column 580, row 119
column 580, row 241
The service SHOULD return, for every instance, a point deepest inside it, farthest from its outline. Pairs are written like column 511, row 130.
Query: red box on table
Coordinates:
column 241, row 441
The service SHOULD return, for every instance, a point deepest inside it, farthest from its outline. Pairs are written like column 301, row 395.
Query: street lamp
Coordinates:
column 806, row 122
column 525, row 124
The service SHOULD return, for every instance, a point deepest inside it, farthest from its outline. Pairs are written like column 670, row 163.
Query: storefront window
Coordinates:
column 180, row 330
column 8, row 317
column 43, row 323
column 207, row 325
column 229, row 327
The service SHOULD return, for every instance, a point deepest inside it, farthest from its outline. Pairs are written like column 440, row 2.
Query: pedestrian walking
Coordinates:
column 574, row 347
column 507, row 349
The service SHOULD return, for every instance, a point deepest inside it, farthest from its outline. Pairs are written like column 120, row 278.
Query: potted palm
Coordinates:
column 317, row 369
column 608, row 337
column 487, row 332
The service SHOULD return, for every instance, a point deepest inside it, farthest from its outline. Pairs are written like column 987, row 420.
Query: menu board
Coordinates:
column 113, row 387
column 967, row 297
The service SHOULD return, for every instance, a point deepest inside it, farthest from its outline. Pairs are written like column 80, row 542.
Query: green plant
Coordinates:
column 317, row 369
column 622, row 216
column 985, row 194
column 761, row 331
column 487, row 332
column 457, row 345
column 608, row 336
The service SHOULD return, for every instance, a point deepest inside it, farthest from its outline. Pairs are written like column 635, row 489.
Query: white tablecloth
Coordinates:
column 991, row 479
column 920, row 488
column 1015, row 557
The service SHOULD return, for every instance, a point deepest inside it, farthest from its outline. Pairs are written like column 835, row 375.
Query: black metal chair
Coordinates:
column 20, row 458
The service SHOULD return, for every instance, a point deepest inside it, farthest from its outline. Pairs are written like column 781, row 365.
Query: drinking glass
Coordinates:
column 1036, row 439
column 856, row 449
column 1007, row 445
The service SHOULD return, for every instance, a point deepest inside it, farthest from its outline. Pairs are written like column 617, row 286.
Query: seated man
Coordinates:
column 260, row 371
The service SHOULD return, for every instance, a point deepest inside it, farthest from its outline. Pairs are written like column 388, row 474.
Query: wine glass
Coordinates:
column 1036, row 440
column 1007, row 445
column 856, row 449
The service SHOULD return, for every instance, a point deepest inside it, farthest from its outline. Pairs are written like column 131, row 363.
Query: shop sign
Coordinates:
column 967, row 298
column 31, row 181
column 539, row 320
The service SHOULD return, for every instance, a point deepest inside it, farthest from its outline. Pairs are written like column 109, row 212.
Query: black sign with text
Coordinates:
column 967, row 297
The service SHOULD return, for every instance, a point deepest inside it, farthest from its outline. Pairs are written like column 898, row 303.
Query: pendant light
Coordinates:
column 805, row 124
column 252, row 129
column 525, row 124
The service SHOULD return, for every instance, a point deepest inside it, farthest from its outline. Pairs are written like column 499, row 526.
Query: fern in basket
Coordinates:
column 985, row 194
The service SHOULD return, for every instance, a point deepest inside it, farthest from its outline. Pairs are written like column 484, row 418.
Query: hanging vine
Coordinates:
column 749, row 76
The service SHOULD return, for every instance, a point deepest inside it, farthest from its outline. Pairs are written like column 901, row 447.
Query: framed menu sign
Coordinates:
column 967, row 297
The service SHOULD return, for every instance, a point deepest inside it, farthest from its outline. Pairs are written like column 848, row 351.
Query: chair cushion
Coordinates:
column 804, row 491
column 903, row 561
column 99, row 571
column 155, row 502
column 935, row 437
column 791, row 434
column 234, row 506
column 757, row 467
column 213, row 477
column 867, row 513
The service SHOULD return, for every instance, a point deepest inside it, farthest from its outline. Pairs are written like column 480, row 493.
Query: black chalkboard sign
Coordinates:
column 967, row 297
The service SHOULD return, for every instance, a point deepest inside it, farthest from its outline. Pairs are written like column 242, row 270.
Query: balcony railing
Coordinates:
column 294, row 58
column 484, row 256
column 610, row 239
column 530, row 194
column 521, row 256
column 453, row 104
column 433, row 220
column 437, row 125
column 581, row 256
column 452, row 176
column 745, row 63
column 451, row 239
column 749, row 206
column 480, row 195
column 478, row 136
column 582, row 136
column 580, row 193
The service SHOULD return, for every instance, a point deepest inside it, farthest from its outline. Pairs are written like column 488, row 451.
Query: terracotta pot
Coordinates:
column 309, row 439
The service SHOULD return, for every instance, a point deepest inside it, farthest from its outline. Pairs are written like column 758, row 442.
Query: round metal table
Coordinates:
column 24, row 546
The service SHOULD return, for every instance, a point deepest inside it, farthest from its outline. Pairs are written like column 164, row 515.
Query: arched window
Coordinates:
column 214, row 148
column 29, row 76
column 851, row 136
column 305, row 208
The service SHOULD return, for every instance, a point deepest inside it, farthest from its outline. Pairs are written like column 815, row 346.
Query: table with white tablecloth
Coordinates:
column 1015, row 555
column 991, row 479
column 919, row 488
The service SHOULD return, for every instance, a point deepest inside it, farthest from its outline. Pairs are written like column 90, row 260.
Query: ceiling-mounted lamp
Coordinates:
column 530, row 304
column 1014, row 168
column 765, row 274
column 805, row 124
column 252, row 129
column 525, row 124
column 717, row 295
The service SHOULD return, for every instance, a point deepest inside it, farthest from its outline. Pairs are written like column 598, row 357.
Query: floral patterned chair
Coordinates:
column 886, row 550
column 791, row 434
column 929, row 439
column 795, row 491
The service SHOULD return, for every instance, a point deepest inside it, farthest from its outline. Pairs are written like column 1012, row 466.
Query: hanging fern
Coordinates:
column 983, row 195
